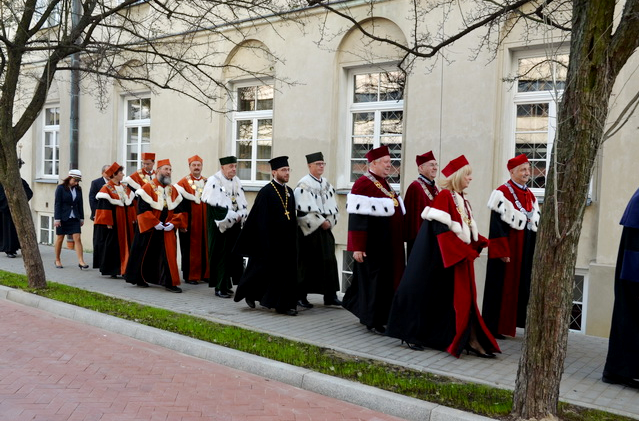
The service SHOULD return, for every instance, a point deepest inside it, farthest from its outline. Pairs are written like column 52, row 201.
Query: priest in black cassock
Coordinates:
column 9, row 243
column 622, row 362
column 269, row 240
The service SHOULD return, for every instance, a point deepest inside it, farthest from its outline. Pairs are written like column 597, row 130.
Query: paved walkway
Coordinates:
column 338, row 329
column 54, row 369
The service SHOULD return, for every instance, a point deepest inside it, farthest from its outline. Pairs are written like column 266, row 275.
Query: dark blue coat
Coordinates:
column 64, row 204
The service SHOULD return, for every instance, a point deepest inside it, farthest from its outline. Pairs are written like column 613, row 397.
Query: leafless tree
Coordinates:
column 161, row 44
column 602, row 36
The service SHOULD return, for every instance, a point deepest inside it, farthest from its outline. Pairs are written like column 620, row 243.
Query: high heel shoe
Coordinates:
column 470, row 349
column 58, row 266
column 83, row 266
column 413, row 346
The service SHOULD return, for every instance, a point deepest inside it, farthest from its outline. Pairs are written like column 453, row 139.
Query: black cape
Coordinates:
column 269, row 240
column 226, row 266
column 9, row 242
column 623, row 347
column 318, row 265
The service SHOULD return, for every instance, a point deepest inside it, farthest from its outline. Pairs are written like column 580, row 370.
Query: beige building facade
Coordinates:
column 343, row 97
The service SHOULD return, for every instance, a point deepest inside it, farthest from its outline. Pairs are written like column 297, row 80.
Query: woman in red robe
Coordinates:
column 436, row 303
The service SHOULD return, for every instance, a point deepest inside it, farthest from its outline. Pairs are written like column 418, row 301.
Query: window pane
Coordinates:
column 146, row 136
column 132, row 136
column 265, row 129
column 392, row 122
column 396, row 168
column 578, row 289
column 366, row 86
column 145, row 110
column 133, row 109
column 244, row 130
column 56, row 167
column 48, row 153
column 542, row 73
column 265, row 97
column 363, row 124
column 131, row 167
column 244, row 170
column 244, row 149
column 264, row 149
column 575, row 316
column 391, row 86
column 532, row 117
column 52, row 117
column 360, row 146
column 263, row 171
column 358, row 168
column 48, row 168
column 246, row 98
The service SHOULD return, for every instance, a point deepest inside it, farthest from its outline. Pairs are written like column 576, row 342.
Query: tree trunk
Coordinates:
column 21, row 213
column 582, row 117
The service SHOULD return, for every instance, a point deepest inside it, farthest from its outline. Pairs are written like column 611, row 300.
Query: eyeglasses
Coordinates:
column 320, row 164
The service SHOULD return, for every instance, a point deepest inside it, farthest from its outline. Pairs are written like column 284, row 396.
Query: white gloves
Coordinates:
column 169, row 227
column 159, row 227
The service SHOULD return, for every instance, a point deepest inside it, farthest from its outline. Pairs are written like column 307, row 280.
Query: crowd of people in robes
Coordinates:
column 283, row 248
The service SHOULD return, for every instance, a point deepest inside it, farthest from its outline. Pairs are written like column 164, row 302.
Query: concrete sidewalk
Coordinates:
column 336, row 328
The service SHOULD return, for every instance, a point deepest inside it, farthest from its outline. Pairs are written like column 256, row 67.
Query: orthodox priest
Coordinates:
column 269, row 240
column 9, row 242
column 622, row 364
column 514, row 218
column 419, row 195
column 144, row 175
column 375, row 236
column 317, row 214
column 113, row 222
column 153, row 256
column 227, row 210
column 194, row 240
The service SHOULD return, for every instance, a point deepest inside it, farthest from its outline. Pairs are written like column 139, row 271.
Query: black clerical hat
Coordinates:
column 278, row 162
column 314, row 157
column 228, row 160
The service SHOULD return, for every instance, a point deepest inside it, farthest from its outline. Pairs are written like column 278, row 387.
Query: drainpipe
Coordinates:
column 75, row 95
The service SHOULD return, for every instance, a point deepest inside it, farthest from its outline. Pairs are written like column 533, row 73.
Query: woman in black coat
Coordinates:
column 69, row 216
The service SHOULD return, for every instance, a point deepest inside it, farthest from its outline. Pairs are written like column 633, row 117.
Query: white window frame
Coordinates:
column 552, row 98
column 254, row 117
column 50, row 230
column 54, row 131
column 584, row 302
column 376, row 107
column 139, row 124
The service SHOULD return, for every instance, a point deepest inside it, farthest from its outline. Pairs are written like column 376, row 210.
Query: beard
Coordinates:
column 164, row 179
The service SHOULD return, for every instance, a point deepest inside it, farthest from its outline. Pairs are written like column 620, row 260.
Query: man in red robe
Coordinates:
column 513, row 229
column 153, row 257
column 194, row 241
column 375, row 236
column 144, row 175
column 419, row 195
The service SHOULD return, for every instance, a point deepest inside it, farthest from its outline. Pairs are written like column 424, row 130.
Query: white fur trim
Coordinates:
column 317, row 200
column 229, row 220
column 460, row 230
column 117, row 202
column 310, row 222
column 372, row 206
column 130, row 182
column 513, row 217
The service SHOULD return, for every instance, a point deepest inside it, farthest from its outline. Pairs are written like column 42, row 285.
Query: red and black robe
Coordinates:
column 419, row 194
column 194, row 241
column 436, row 302
column 512, row 234
column 114, row 217
column 153, row 256
column 375, row 223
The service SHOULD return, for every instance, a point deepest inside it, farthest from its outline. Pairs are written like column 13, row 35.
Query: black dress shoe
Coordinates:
column 142, row 284
column 379, row 330
column 304, row 303
column 289, row 312
column 222, row 294
column 624, row 381
column 173, row 288
column 413, row 346
column 470, row 349
column 192, row 282
column 250, row 302
column 11, row 255
column 332, row 302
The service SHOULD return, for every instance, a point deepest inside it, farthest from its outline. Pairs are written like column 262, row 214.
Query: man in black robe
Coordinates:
column 9, row 242
column 96, row 185
column 269, row 240
column 317, row 214
column 622, row 362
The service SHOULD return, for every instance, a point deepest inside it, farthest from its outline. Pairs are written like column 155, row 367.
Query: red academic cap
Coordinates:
column 428, row 156
column 454, row 166
column 163, row 162
column 517, row 161
column 110, row 172
column 195, row 158
column 148, row 155
column 377, row 153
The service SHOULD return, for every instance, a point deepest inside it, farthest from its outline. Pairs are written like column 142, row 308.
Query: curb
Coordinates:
column 366, row 396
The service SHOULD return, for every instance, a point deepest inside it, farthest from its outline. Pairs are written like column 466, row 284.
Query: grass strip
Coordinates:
column 479, row 399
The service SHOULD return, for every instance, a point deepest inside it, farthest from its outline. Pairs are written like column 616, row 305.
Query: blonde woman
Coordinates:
column 436, row 303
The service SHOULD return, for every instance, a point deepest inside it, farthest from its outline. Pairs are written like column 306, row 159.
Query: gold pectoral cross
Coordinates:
column 287, row 215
